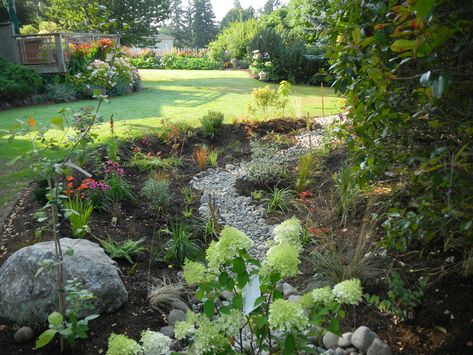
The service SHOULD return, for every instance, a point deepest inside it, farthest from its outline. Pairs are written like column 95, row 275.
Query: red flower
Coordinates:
column 318, row 232
column 70, row 178
column 304, row 195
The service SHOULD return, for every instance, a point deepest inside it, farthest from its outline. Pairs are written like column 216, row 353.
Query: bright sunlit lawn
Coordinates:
column 167, row 94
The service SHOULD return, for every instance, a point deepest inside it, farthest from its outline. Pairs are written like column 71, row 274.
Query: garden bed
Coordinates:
column 440, row 325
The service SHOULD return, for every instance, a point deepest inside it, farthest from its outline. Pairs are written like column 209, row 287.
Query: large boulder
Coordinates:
column 28, row 296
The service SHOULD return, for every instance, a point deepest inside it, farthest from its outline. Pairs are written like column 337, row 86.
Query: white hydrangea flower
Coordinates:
column 290, row 232
column 348, row 291
column 155, row 343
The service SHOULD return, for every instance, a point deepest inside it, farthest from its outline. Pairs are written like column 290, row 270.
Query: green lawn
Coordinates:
column 167, row 94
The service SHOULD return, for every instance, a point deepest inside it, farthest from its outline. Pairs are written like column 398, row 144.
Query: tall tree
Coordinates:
column 237, row 13
column 29, row 12
column 270, row 6
column 137, row 20
column 204, row 29
column 188, row 16
column 177, row 23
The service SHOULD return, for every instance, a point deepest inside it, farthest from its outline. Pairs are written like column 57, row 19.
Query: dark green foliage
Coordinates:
column 211, row 123
column 203, row 23
column 123, row 250
column 401, row 301
column 181, row 246
column 18, row 81
column 146, row 62
column 40, row 191
column 278, row 200
column 61, row 92
column 137, row 21
column 120, row 189
column 404, row 71
column 188, row 62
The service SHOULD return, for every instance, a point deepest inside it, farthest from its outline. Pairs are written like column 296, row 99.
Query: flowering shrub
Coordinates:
column 257, row 305
column 153, row 343
column 101, row 66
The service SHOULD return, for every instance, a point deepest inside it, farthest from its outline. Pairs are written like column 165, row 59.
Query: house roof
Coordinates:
column 162, row 37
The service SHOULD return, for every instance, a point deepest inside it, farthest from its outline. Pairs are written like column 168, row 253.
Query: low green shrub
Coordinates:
column 157, row 191
column 78, row 211
column 150, row 162
column 152, row 343
column 122, row 250
column 148, row 62
column 175, row 61
column 278, row 200
column 61, row 92
column 401, row 301
column 17, row 81
column 265, row 167
column 181, row 246
column 211, row 123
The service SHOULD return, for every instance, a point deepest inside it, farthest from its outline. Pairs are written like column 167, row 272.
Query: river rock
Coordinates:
column 176, row 315
column 168, row 330
column 26, row 295
column 345, row 340
column 330, row 340
column 288, row 290
column 379, row 347
column 178, row 304
column 363, row 337
column 23, row 335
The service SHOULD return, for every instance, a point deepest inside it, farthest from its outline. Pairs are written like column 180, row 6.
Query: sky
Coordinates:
column 221, row 7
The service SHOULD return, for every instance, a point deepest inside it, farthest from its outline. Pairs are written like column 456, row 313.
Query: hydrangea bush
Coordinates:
column 152, row 343
column 113, row 76
column 256, row 306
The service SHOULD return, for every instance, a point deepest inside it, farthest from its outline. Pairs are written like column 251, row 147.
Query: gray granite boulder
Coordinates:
column 363, row 337
column 379, row 347
column 28, row 296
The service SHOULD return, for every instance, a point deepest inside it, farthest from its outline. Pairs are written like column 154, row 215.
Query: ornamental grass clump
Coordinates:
column 255, row 298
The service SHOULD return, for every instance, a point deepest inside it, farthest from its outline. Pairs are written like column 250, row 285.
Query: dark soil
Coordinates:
column 447, row 305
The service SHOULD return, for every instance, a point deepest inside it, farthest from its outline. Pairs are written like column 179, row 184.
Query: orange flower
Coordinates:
column 70, row 178
column 32, row 122
column 136, row 149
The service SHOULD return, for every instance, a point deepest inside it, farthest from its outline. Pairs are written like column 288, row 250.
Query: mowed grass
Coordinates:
column 167, row 95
